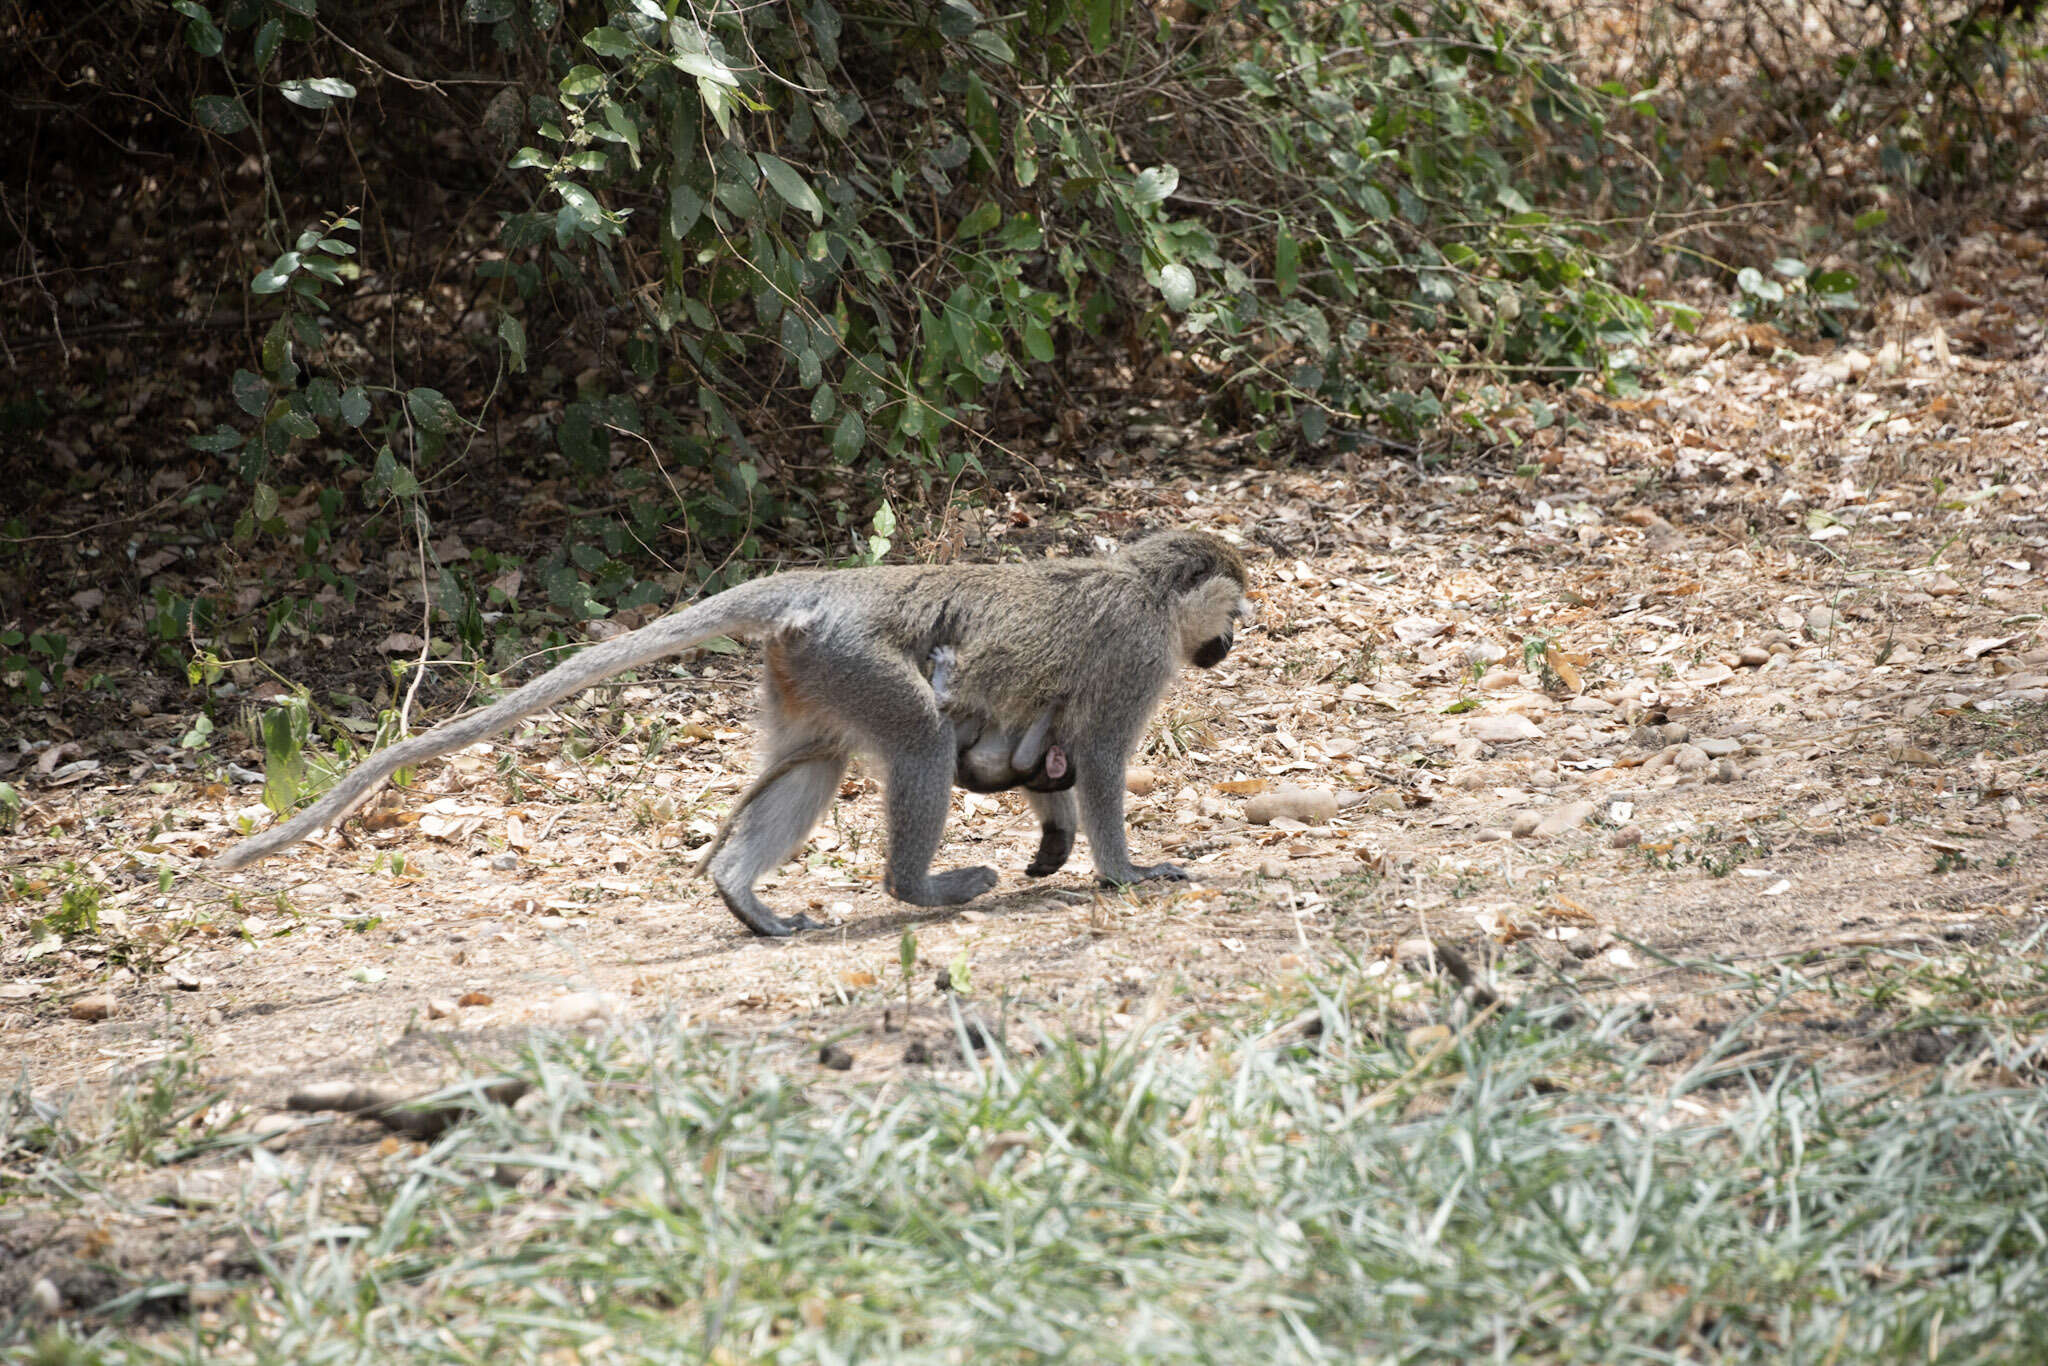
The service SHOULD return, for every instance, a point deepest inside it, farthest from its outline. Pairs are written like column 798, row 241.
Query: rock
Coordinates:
column 44, row 1296
column 1628, row 837
column 1291, row 803
column 1272, row 868
column 1589, row 705
column 1570, row 816
column 1386, row 802
column 1524, row 824
column 1140, row 782
column 1491, row 833
column 1753, row 657
column 1725, row 771
column 835, row 1057
column 97, row 1006
column 440, row 1007
column 1942, row 586
column 1470, row 780
column 1503, row 730
column 1675, row 732
column 1719, row 747
column 1688, row 758
column 505, row 863
column 579, row 1006
column 474, row 998
column 1823, row 622
column 1416, row 950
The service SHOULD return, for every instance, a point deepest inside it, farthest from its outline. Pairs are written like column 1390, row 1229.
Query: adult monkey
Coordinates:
column 846, row 658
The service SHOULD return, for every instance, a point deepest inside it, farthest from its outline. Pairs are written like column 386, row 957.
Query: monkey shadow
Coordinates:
column 892, row 923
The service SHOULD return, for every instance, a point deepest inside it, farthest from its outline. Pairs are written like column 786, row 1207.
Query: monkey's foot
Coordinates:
column 1054, row 844
column 756, row 916
column 949, row 888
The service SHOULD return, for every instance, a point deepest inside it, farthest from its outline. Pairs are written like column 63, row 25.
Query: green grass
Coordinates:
column 1531, row 1192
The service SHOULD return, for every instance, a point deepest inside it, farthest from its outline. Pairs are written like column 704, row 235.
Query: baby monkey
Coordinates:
column 989, row 759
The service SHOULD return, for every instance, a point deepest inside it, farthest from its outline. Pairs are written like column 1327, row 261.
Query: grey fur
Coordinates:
column 1096, row 641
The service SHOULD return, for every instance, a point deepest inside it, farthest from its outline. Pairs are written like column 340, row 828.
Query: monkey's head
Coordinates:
column 1204, row 578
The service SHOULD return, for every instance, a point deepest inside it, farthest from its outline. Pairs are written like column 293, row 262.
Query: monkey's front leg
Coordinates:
column 1101, row 788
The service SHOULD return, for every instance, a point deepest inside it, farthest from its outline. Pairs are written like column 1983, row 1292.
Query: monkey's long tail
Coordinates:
column 746, row 609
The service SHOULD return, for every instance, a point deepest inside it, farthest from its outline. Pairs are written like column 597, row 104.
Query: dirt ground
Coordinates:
column 1751, row 666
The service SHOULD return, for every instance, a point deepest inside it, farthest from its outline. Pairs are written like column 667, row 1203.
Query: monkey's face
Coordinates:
column 1209, row 626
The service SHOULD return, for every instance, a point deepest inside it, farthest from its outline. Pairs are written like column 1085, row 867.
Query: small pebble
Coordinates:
column 1688, row 758
column 95, row 1007
column 1570, row 816
column 1720, row 748
column 1627, row 837
column 1293, row 803
column 1726, row 772
column 505, row 862
column 1524, row 824
column 1754, row 656
column 1140, row 782
column 1491, row 833
column 835, row 1057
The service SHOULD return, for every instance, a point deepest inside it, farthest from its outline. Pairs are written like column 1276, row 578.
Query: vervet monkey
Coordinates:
column 1095, row 641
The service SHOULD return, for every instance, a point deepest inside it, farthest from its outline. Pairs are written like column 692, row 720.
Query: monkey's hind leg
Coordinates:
column 766, row 830
column 1058, row 815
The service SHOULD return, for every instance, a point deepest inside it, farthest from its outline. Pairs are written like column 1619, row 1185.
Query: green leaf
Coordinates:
column 1752, row 281
column 1177, row 286
column 512, row 332
column 1791, row 267
column 582, row 83
column 263, row 502
column 220, row 440
column 685, row 207
column 279, row 273
column 979, row 219
column 1286, row 261
column 431, row 410
column 993, row 43
column 252, row 392
column 1038, row 342
column 1870, row 218
column 706, row 67
column 318, row 93
column 849, row 436
column 1102, row 20
column 791, row 185
column 823, row 402
column 267, row 39
column 220, row 114
column 1154, row 184
column 529, row 156
column 609, row 42
column 202, row 35
column 355, row 406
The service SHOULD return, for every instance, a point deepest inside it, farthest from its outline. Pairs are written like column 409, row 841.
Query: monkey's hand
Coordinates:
column 1165, row 872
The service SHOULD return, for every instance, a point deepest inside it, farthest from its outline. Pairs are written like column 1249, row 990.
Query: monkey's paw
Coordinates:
column 949, row 888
